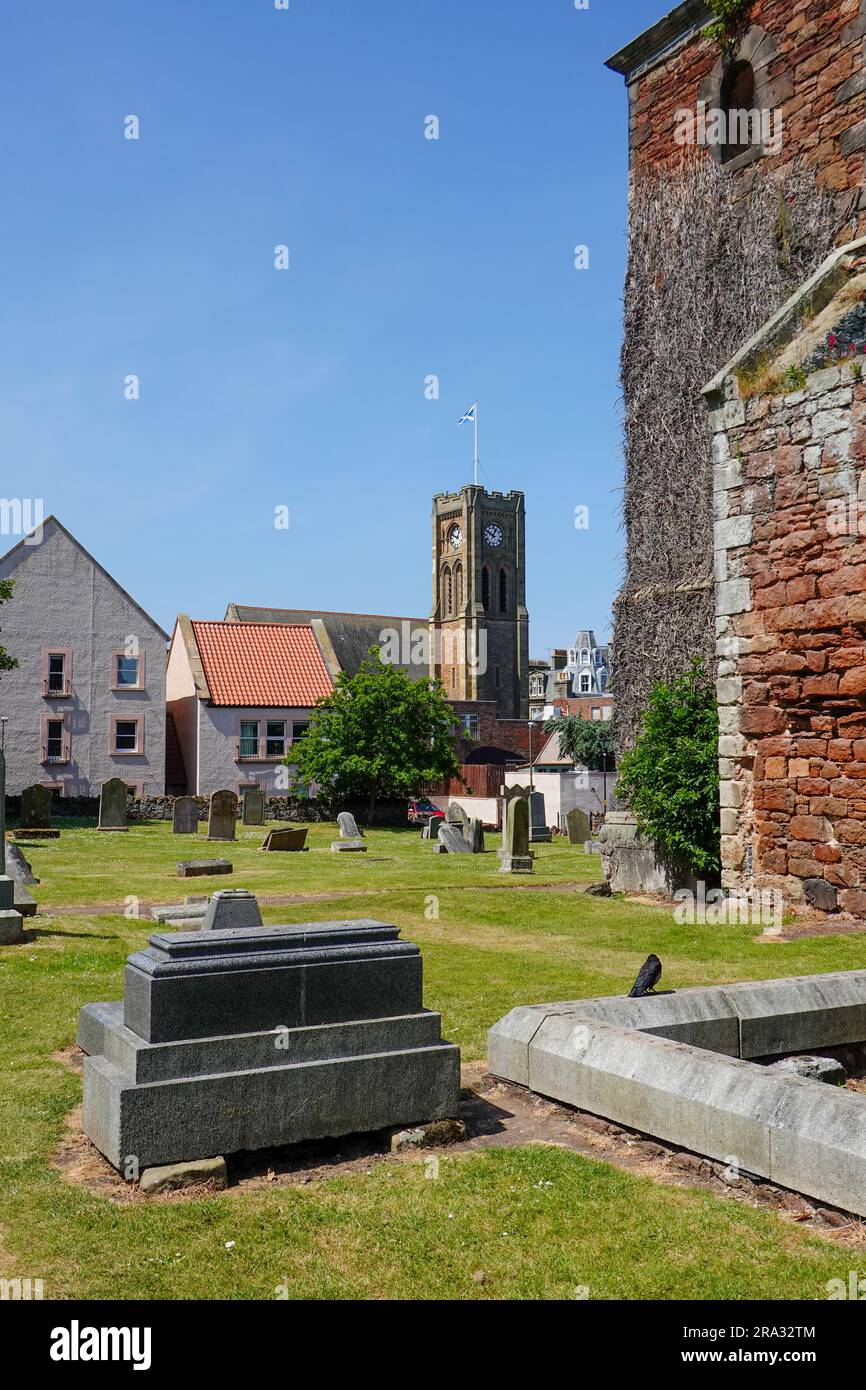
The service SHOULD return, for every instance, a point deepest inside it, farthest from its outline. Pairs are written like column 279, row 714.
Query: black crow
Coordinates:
column 648, row 977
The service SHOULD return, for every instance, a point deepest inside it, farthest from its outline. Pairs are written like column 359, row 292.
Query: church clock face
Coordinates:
column 493, row 535
column 455, row 537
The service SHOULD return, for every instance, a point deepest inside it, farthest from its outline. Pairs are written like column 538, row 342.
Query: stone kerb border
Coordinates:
column 676, row 1066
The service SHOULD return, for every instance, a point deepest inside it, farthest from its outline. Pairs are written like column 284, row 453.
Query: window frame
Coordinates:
column 138, row 750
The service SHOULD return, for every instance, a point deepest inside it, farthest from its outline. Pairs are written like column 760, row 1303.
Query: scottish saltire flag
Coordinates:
column 470, row 414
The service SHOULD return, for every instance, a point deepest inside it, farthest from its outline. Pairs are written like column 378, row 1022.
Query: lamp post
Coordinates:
column 531, row 782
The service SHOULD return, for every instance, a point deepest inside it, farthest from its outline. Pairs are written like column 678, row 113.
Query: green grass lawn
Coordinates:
column 539, row 1222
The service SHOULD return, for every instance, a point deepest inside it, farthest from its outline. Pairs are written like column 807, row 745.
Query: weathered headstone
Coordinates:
column 202, row 868
column 18, row 867
column 507, row 795
column 184, row 816
column 517, row 859
column 287, row 838
column 11, row 921
column 232, row 909
column 250, row 1039
column 452, row 840
column 579, row 826
column 455, row 815
column 351, row 840
column 539, row 831
column 113, row 799
column 348, row 826
column 476, row 836
column 35, row 821
column 222, row 816
column 254, row 806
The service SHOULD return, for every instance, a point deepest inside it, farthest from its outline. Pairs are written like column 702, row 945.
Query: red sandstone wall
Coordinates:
column 816, row 78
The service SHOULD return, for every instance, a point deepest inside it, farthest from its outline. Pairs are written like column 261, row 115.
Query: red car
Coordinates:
column 420, row 812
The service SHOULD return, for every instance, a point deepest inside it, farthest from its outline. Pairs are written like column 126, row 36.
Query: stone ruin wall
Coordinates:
column 791, row 620
column 713, row 251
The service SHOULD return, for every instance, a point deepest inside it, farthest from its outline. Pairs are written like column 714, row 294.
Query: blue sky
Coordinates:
column 305, row 388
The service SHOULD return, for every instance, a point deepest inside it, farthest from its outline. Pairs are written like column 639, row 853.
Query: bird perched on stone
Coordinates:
column 648, row 977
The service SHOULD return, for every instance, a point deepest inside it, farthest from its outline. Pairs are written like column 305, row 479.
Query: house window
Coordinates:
column 53, row 741
column 584, row 657
column 125, row 736
column 469, row 725
column 126, row 672
column 503, row 591
column 300, row 729
column 585, row 684
column 56, row 673
column 596, row 712
column 249, row 738
column 275, row 738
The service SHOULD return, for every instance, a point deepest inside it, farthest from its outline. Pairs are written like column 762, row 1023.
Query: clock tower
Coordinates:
column 479, row 626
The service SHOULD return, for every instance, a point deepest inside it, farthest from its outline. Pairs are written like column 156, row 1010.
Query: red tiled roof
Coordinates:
column 274, row 665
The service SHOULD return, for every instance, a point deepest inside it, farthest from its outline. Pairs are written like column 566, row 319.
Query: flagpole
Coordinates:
column 475, row 449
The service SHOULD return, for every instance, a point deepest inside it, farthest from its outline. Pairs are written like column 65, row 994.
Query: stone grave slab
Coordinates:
column 232, row 909
column 452, row 840
column 290, row 839
column 254, row 807
column 579, row 826
column 201, row 868
column 517, row 858
column 539, row 830
column 348, row 826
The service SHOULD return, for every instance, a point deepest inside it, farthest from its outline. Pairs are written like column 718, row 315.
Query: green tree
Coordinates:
column 587, row 742
column 377, row 735
column 7, row 662
column 670, row 778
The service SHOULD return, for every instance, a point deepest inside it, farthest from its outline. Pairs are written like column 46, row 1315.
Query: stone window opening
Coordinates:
column 458, row 587
column 737, row 101
column 447, row 592
column 485, row 589
column 503, row 591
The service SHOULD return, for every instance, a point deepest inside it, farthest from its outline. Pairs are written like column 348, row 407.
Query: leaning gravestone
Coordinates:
column 287, row 838
column 579, row 826
column 232, row 909
column 184, row 816
column 222, row 816
column 452, row 840
column 517, row 859
column 539, row 832
column 351, row 840
column 254, row 807
column 249, row 1039
column 11, row 921
column 112, row 805
column 35, row 821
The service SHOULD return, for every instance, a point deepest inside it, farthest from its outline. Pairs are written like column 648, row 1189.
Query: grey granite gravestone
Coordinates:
column 202, row 868
column 579, row 826
column 184, row 816
column 539, row 831
column 113, row 799
column 452, row 840
column 517, row 859
column 232, row 909
column 254, row 807
column 11, row 921
column 287, row 838
column 241, row 1040
column 475, row 836
column 222, row 816
column 455, row 815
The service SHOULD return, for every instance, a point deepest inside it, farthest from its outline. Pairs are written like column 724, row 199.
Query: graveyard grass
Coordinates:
column 540, row 1222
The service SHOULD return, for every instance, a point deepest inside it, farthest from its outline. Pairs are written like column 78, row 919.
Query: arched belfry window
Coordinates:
column 485, row 589
column 447, row 592
column 458, row 587
column 737, row 102
column 503, row 590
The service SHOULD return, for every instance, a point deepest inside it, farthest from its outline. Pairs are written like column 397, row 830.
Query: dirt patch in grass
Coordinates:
column 495, row 1113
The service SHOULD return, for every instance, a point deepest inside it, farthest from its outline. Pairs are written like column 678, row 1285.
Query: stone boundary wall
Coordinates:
column 790, row 566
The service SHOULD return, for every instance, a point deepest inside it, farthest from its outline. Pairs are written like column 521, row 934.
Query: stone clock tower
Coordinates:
column 479, row 626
